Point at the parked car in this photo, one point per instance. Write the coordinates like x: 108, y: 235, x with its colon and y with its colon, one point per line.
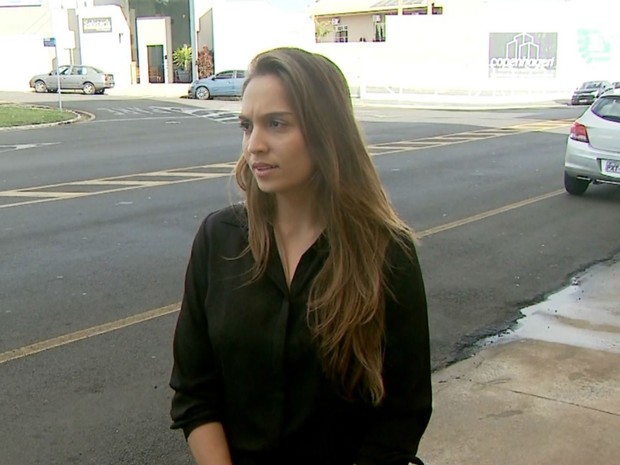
x: 223, y: 84
x: 88, y: 79
x: 589, y: 91
x: 593, y: 146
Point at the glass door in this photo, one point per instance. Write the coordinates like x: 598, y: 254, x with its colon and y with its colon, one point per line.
x: 156, y: 63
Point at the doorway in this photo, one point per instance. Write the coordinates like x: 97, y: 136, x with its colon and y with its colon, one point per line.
x: 156, y: 63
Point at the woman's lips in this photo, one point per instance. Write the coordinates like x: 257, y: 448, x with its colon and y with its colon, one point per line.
x: 262, y: 169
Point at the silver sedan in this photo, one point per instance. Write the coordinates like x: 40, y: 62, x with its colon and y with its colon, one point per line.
x: 88, y: 79
x: 593, y: 146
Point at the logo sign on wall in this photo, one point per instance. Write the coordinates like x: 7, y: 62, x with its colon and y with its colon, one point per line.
x: 523, y: 54
x: 96, y: 25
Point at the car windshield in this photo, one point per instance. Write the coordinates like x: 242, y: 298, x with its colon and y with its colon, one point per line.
x: 590, y: 85
x: 608, y: 108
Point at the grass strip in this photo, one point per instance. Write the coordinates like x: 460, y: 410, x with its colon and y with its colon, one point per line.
x: 12, y: 115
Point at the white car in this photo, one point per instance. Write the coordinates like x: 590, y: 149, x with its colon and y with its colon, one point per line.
x: 593, y: 146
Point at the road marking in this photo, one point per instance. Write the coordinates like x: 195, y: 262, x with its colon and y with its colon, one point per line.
x: 388, y: 148
x: 86, y: 333
x: 15, y: 147
x: 162, y: 311
x: 70, y: 190
x: 488, y: 214
x: 129, y: 113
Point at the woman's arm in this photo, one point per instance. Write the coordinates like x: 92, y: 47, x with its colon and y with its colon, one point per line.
x: 208, y: 445
x: 195, y: 377
x: 404, y: 414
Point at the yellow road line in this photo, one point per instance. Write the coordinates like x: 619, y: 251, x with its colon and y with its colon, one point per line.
x: 158, y: 312
x: 86, y: 333
x: 51, y: 196
x: 487, y: 214
x: 63, y: 191
x: 387, y: 148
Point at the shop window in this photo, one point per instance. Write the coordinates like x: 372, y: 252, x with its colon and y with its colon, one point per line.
x: 342, y: 34
x: 380, y: 31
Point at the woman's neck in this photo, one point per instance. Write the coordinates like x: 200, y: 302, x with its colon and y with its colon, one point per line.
x: 297, y: 214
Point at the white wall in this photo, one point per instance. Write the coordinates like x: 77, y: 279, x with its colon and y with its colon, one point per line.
x: 23, y: 29
x: 109, y: 51
x: 243, y: 29
x: 22, y: 53
x: 441, y: 53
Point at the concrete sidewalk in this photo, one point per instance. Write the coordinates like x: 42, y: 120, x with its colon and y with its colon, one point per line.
x: 178, y: 92
x: 547, y: 393
x: 410, y: 100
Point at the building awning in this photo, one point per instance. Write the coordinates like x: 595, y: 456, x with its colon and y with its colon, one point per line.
x: 335, y: 7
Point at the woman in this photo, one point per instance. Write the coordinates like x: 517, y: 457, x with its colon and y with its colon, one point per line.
x: 303, y: 333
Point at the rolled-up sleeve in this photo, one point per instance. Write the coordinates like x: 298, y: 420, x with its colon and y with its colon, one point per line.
x: 403, y: 416
x: 195, y: 378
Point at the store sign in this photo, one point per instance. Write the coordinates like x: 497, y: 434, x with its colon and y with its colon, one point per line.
x: 49, y: 42
x: 523, y: 53
x: 20, y: 3
x: 96, y: 25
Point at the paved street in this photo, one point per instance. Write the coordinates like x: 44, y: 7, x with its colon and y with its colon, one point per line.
x: 96, y: 221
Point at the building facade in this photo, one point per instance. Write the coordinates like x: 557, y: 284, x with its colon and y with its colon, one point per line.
x: 136, y: 39
x: 396, y: 48
x: 391, y: 48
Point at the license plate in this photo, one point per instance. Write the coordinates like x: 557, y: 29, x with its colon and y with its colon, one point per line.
x: 611, y: 167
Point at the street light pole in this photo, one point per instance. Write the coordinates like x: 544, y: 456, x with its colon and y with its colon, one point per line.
x: 192, y: 39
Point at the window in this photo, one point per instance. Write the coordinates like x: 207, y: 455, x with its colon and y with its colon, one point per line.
x: 240, y: 74
x: 224, y: 75
x: 607, y: 108
x: 380, y: 30
x: 342, y: 34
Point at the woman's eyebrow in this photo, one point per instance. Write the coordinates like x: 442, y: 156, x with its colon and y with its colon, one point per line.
x: 273, y: 114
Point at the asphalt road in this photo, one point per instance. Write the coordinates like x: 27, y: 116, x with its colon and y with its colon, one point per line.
x: 96, y: 221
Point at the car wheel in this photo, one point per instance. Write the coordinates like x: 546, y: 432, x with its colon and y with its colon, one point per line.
x: 40, y: 87
x: 88, y: 88
x: 575, y: 186
x: 203, y: 93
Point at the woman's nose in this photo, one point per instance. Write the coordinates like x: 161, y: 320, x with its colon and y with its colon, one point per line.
x: 256, y: 141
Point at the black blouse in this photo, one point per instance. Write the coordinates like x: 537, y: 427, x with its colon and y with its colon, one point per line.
x: 244, y: 356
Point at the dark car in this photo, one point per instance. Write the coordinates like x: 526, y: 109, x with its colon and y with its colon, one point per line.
x: 223, y: 84
x: 88, y: 79
x: 589, y: 91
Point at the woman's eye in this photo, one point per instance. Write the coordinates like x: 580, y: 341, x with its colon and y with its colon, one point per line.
x: 276, y: 124
x: 244, y: 125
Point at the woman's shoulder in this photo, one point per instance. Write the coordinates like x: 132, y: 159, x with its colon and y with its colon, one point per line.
x: 226, y: 221
x: 233, y: 215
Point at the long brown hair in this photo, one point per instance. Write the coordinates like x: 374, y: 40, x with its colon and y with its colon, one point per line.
x: 346, y: 309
